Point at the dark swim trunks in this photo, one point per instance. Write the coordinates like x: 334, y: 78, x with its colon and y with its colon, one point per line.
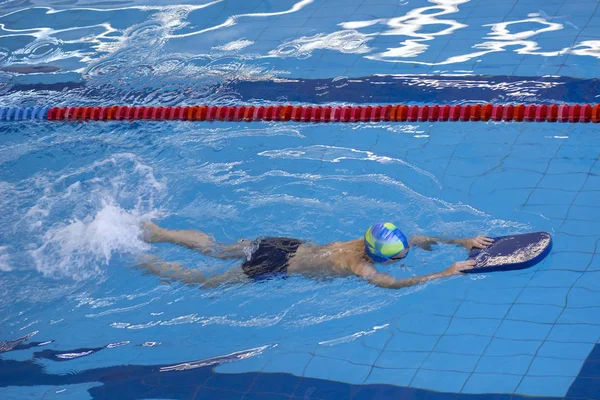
x: 270, y: 257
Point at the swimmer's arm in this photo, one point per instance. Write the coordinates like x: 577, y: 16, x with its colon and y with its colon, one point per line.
x: 425, y: 242
x: 194, y: 240
x: 369, y: 273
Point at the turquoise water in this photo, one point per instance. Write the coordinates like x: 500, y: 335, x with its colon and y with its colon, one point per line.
x: 73, y: 196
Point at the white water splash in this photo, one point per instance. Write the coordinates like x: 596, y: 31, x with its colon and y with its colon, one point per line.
x: 238, y: 355
x: 68, y: 248
x: 336, y: 154
x: 347, y: 41
x: 352, y: 337
x: 4, y: 259
x: 236, y: 45
x: 83, y: 219
x: 70, y: 356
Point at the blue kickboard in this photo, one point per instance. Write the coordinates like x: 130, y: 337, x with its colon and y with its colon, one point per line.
x: 513, y: 252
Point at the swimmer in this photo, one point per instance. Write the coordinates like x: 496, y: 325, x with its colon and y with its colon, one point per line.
x: 268, y: 257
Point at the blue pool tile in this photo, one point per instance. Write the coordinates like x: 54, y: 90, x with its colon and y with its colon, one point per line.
x: 279, y: 32
x: 498, y: 9
x: 466, y: 344
x: 587, y: 199
x: 508, y: 201
x: 422, y: 394
x: 579, y: 315
x: 293, y: 363
x: 580, y: 297
x: 545, y: 366
x: 275, y: 383
x: 595, y: 354
x: 586, y: 388
x: 246, y: 365
x: 544, y: 386
x: 377, y: 340
x: 564, y: 166
x: 549, y: 296
x: 583, y: 333
x: 220, y: 393
x: 514, y: 365
x: 506, y: 180
x: 377, y: 392
x: 595, y: 264
x: 475, y: 310
x: 404, y: 359
x: 593, y: 181
x: 490, y: 383
x: 590, y: 369
x: 551, y: 196
x: 463, y: 326
x: 265, y: 396
x: 309, y: 388
x: 337, y: 370
x: 523, y: 330
x: 580, y: 71
x: 590, y: 280
x: 402, y: 341
x: 391, y: 376
x: 450, y: 362
x: 584, y: 213
x: 512, y: 347
x: 420, y: 304
x: 565, y: 242
x: 380, y: 10
x: 580, y: 9
x: 528, y: 164
x: 487, y: 295
x: 351, y: 352
x: 568, y: 261
x: 550, y: 279
x: 547, y: 210
x: 533, y: 70
x: 443, y: 381
x: 534, y: 313
x: 579, y: 152
x: 417, y: 323
x: 542, y: 153
x: 579, y: 228
x: 471, y: 166
x: 237, y: 382
x: 484, y: 150
x: 579, y: 351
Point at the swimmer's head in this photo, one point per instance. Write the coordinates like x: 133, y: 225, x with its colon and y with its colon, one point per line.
x: 384, y: 242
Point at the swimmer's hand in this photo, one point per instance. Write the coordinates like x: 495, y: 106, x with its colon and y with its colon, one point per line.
x: 478, y: 242
x: 458, y: 267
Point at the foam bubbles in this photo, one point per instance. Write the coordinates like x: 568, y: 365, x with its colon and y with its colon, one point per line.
x: 79, y: 248
x: 347, y: 41
x: 74, y: 221
x: 4, y: 259
x: 236, y: 45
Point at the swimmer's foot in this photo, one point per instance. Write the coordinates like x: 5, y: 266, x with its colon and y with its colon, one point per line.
x: 151, y: 233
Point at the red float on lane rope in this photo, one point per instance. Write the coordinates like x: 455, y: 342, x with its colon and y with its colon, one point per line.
x: 322, y: 114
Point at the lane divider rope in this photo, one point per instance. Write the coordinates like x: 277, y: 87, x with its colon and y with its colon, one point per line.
x: 391, y: 113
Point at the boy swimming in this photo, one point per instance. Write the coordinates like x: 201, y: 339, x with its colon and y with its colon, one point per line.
x: 268, y: 257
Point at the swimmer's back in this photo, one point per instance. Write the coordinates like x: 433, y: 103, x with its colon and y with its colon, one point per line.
x: 338, y: 258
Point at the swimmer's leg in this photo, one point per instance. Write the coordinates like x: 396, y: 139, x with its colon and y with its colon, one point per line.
x: 174, y: 271
x: 171, y: 270
x: 195, y: 240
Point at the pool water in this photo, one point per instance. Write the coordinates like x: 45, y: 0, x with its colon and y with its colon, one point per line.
x: 73, y: 197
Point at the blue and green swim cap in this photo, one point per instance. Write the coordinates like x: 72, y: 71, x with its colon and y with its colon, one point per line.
x: 384, y: 241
